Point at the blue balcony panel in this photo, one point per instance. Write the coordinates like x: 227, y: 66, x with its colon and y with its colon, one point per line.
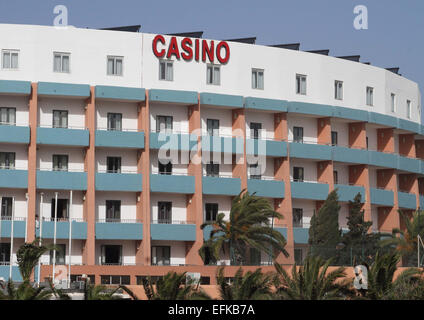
x: 308, y: 190
x: 120, y: 139
x: 265, y: 104
x: 389, y: 121
x: 282, y: 230
x: 15, y: 179
x: 14, y: 134
x: 119, y: 231
x: 18, y: 229
x: 129, y: 182
x: 61, y: 180
x: 172, y: 183
x: 79, y: 230
x: 16, y: 274
x: 421, y: 201
x: 310, y: 151
x: 173, y: 141
x: 349, y: 113
x: 350, y: 155
x: 301, y: 235
x: 382, y: 197
x: 310, y: 108
x: 221, y: 100
x: 120, y: 93
x: 407, y: 200
x: 173, y: 96
x: 222, y: 144
x: 409, y: 126
x: 347, y: 193
x: 221, y: 186
x: 266, y: 188
x: 382, y: 159
x: 13, y: 87
x: 173, y: 232
x: 270, y: 148
x: 409, y: 164
x: 65, y: 137
x: 63, y: 89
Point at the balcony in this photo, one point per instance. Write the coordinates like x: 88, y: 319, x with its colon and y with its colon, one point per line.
x: 61, y: 180
x: 15, y: 179
x: 14, y: 134
x: 301, y: 235
x: 173, y: 141
x: 107, y: 229
x: 16, y: 274
x: 13, y: 87
x: 266, y: 187
x: 120, y: 93
x: 221, y: 185
x: 56, y: 89
x: 19, y: 225
x: 172, y: 183
x: 173, y: 230
x: 407, y: 200
x: 130, y: 182
x: 347, y: 193
x: 383, y: 159
x: 119, y: 139
x: 79, y: 229
x: 421, y: 201
x: 222, y: 144
x: 78, y: 137
x: 266, y: 147
x: 382, y: 197
x: 310, y: 151
x: 309, y: 190
x: 350, y: 155
x: 409, y: 164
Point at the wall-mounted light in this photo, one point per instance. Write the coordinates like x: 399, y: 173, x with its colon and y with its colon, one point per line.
x: 189, y: 201
x: 138, y: 198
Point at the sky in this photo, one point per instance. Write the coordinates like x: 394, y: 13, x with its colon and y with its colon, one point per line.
x: 393, y: 38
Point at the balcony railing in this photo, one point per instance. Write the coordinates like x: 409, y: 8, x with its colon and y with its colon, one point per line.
x: 110, y: 220
x: 51, y: 219
x: 9, y: 218
x: 168, y: 221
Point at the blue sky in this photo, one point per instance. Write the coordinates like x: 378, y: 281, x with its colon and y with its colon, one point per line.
x: 393, y: 38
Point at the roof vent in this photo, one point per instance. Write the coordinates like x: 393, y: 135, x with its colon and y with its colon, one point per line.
x: 323, y: 52
x: 291, y: 46
x: 127, y: 28
x: 394, y: 70
x: 251, y: 40
x: 351, y: 58
x: 195, y: 34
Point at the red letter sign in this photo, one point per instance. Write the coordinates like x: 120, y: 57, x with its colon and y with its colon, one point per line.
x: 173, y: 49
x: 155, y: 43
x: 186, y: 44
x: 227, y: 52
x: 207, y: 50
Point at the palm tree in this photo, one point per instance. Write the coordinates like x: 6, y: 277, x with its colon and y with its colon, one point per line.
x: 313, y: 281
x: 248, y: 226
x: 24, y: 292
x: 173, y: 286
x: 100, y: 292
x: 381, y: 274
x: 405, y: 242
x: 250, y: 286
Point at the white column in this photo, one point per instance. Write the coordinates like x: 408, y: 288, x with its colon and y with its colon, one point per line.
x: 70, y: 239
x: 11, y: 238
x: 41, y: 235
x: 54, y: 235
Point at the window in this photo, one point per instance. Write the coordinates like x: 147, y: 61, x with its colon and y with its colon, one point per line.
x: 164, y: 212
x: 298, y: 256
x: 297, y: 217
x: 255, y: 171
x: 211, y: 211
x: 255, y: 130
x: 161, y: 255
x: 115, y: 280
x: 334, y: 138
x: 8, y: 116
x: 113, y: 210
x: 62, y: 208
x: 298, y: 174
x: 336, y: 177
x: 213, y: 74
x: 114, y: 65
x: 370, y: 96
x: 366, y: 139
x: 114, y: 121
x: 6, y: 208
x: 257, y: 79
x: 111, y: 255
x: 60, y: 254
x: 212, y: 169
x: 255, y: 257
x: 165, y: 168
x: 10, y: 59
x: 393, y: 102
x: 338, y: 90
x: 7, y: 160
x: 60, y: 162
x: 60, y: 119
x: 212, y: 126
x: 61, y: 62
x: 408, y: 109
x: 298, y: 134
x: 166, y: 70
x: 4, y: 253
x: 300, y: 84
x: 163, y: 123
x: 113, y: 164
